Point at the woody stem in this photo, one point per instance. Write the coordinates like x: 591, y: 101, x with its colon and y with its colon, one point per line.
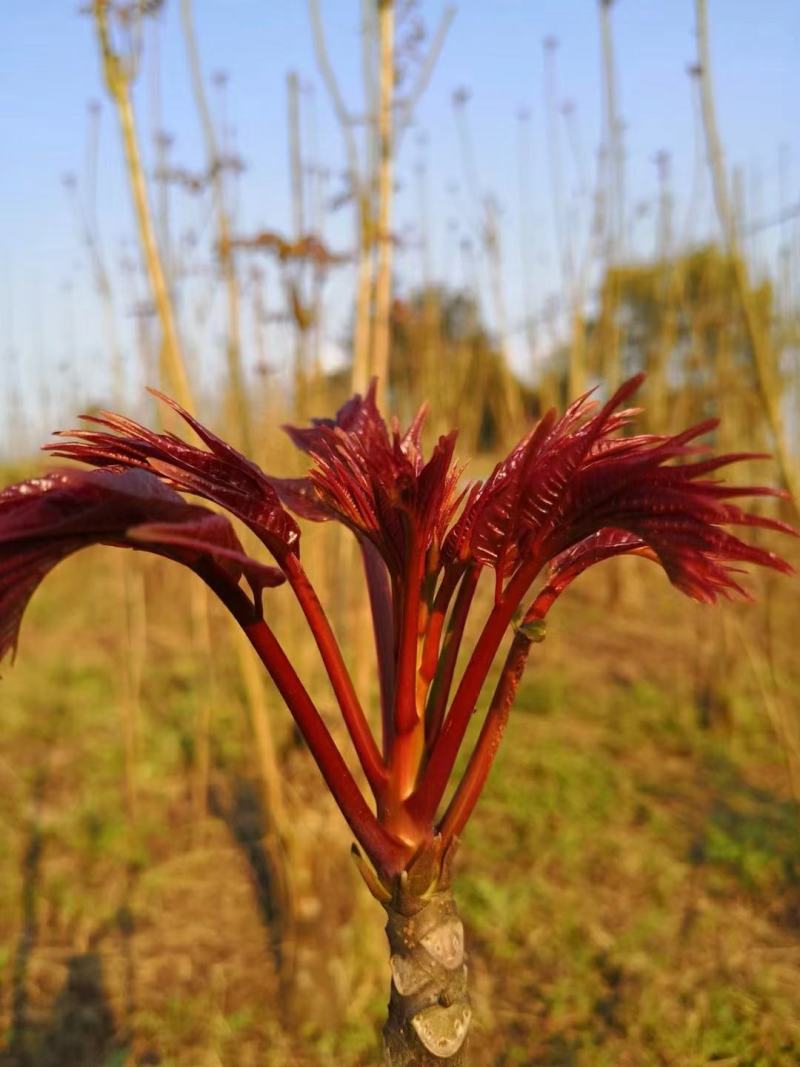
x: 429, y: 1008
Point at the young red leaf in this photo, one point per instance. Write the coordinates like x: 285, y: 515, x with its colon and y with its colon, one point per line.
x: 571, y: 494
x: 568, y: 565
x: 374, y: 480
x: 679, y: 515
x: 572, y: 480
x: 44, y: 520
x: 219, y: 473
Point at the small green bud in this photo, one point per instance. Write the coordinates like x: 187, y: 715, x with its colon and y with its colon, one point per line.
x: 534, y: 629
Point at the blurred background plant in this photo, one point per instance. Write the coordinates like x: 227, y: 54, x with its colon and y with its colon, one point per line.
x: 162, y: 888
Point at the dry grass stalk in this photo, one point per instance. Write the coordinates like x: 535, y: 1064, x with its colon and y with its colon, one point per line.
x: 764, y: 356
x: 785, y: 724
x: 241, y: 411
x: 383, y: 274
x: 362, y: 201
x: 118, y: 76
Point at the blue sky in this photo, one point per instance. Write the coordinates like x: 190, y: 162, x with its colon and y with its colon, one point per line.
x: 49, y: 70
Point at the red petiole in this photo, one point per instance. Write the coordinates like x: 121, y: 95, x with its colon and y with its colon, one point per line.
x: 385, y: 850
x: 574, y: 492
x: 352, y: 712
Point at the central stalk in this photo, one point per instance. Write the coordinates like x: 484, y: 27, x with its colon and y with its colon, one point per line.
x: 429, y: 1008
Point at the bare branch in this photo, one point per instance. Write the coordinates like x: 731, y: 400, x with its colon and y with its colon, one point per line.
x: 337, y: 100
x: 426, y: 70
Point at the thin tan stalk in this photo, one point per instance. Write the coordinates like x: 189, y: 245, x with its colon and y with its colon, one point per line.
x: 173, y: 371
x: 785, y: 724
x: 431, y: 380
x: 364, y: 283
x: 298, y: 227
x: 757, y: 330
x: 214, y: 160
x: 207, y: 700
x: 131, y: 590
x: 269, y: 771
x: 162, y: 143
x: 670, y: 279
x: 615, y: 213
x: 383, y: 275
x: 486, y: 207
x: 276, y: 841
x: 554, y: 157
x: 132, y: 595
x: 409, y: 103
x: 86, y: 210
x: 576, y: 373
x: 576, y: 381
x: 511, y: 393
x: 316, y: 196
x: 616, y: 206
x: 331, y: 84
x: 370, y: 76
x: 118, y: 81
x: 361, y: 198
x: 371, y: 187
x: 524, y: 154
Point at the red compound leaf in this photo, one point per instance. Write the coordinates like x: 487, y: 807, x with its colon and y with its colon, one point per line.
x: 44, y: 520
x: 375, y: 480
x: 218, y: 473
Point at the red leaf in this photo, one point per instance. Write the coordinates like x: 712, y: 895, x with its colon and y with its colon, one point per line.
x: 374, y: 480
x: 574, y: 492
x: 221, y: 474
x: 44, y: 520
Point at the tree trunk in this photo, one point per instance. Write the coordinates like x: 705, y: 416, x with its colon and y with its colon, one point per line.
x: 429, y: 1008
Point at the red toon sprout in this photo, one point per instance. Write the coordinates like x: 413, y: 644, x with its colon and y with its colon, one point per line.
x: 575, y: 491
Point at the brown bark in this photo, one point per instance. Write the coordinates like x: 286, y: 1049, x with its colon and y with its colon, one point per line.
x: 429, y: 1008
